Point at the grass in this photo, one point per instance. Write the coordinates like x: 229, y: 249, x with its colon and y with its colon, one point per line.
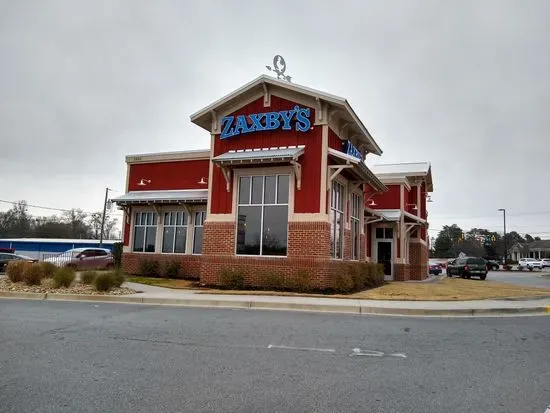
x: 447, y: 289
x: 164, y: 282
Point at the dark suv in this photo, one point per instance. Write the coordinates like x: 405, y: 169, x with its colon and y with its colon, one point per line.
x: 467, y: 267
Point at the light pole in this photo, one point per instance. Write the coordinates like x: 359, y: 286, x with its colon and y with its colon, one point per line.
x: 505, y: 246
x: 103, y: 216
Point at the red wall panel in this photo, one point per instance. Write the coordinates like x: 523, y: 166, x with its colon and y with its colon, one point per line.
x: 306, y: 199
x: 334, y: 141
x: 169, y: 175
x: 126, y: 231
x: 388, y: 200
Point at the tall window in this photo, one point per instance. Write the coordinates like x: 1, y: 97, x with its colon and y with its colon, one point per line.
x: 262, y: 225
x: 337, y: 220
x: 174, y: 232
x: 355, y: 226
x: 145, y: 231
x: 200, y: 216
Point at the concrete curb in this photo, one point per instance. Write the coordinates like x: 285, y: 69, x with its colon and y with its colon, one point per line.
x: 285, y: 306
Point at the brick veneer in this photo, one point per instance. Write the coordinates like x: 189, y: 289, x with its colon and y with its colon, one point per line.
x: 401, y: 272
x: 308, y: 250
x: 190, y: 264
x: 418, y: 258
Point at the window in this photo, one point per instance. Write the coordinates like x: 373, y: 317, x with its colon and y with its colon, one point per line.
x: 262, y: 224
x: 384, y: 233
x: 355, y: 226
x: 337, y: 220
x: 200, y: 216
x: 145, y: 231
x: 174, y: 233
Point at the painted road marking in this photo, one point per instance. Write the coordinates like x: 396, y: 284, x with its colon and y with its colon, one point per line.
x: 548, y: 311
x: 324, y: 350
x: 547, y: 410
x: 374, y: 353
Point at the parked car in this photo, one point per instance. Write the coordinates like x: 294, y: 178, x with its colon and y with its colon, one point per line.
x: 6, y: 258
x: 545, y: 262
x: 493, y: 265
x: 530, y: 264
x: 8, y: 250
x: 84, y: 258
x: 435, y: 269
x: 467, y: 267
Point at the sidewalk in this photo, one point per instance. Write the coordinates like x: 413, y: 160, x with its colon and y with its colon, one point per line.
x: 159, y: 295
x: 188, y: 298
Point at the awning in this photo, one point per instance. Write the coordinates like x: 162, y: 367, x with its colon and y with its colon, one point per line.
x: 394, y: 215
x: 232, y: 159
x: 163, y: 197
x: 256, y: 156
x: 356, y: 167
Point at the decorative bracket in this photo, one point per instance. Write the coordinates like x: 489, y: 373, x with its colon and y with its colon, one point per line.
x: 337, y: 169
x: 227, y: 175
x: 298, y: 172
x: 215, y: 124
x: 267, y: 96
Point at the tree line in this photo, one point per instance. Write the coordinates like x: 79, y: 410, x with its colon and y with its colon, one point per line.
x: 74, y: 223
x: 478, y: 242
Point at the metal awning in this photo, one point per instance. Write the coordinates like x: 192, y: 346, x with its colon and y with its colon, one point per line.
x: 355, y: 166
x: 184, y: 196
x: 233, y: 159
x: 255, y: 156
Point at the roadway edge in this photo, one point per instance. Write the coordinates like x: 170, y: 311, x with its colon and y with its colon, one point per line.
x: 279, y: 305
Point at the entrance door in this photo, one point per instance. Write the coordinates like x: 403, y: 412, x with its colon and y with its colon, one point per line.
x: 384, y: 256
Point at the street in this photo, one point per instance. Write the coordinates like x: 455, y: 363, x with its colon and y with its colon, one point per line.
x: 96, y: 357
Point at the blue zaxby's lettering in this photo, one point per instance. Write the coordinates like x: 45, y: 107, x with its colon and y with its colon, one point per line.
x: 232, y: 126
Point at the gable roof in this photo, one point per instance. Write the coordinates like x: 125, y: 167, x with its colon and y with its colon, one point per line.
x: 405, y: 170
x: 203, y: 117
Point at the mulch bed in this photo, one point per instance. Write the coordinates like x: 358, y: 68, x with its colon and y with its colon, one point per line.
x: 47, y: 287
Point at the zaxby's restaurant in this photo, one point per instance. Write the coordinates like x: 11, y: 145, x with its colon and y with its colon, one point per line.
x: 283, y: 187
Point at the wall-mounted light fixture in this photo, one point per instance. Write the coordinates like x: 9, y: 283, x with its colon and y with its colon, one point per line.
x: 144, y: 182
x: 202, y: 181
x: 414, y: 208
x: 371, y: 203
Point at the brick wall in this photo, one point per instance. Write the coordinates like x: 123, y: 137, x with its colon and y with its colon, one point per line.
x: 401, y: 272
x: 347, y: 244
x: 190, y: 264
x: 309, y: 239
x: 418, y: 258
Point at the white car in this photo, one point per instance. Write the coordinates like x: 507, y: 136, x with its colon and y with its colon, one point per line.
x: 546, y: 262
x: 530, y: 264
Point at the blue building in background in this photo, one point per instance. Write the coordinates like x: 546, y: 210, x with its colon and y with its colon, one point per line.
x: 41, y: 248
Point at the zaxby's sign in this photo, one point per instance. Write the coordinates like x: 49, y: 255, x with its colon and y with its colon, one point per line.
x: 286, y: 119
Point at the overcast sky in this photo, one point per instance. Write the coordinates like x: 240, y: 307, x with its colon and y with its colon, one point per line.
x: 462, y: 84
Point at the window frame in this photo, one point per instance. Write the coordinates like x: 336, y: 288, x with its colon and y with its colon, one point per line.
x: 333, y: 214
x: 195, y: 226
x: 175, y: 226
x: 145, y: 226
x: 355, y: 225
x: 263, y: 173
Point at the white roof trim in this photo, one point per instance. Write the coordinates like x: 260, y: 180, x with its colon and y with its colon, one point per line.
x: 168, y: 156
x: 335, y: 100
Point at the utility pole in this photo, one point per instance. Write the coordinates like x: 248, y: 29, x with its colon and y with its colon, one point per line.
x: 103, y: 217
x: 505, y: 246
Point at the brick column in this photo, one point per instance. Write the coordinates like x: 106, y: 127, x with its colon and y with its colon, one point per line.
x: 418, y: 258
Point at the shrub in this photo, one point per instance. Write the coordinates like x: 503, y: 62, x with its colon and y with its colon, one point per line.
x: 343, y: 283
x: 32, y: 274
x: 15, y: 269
x: 172, y: 269
x: 301, y: 281
x: 119, y: 278
x: 231, y: 278
x: 105, y: 281
x: 48, y: 269
x: 272, y: 279
x: 149, y: 268
x: 88, y: 277
x: 63, y: 277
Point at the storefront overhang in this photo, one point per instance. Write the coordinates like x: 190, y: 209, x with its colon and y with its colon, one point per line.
x: 184, y: 196
x: 265, y: 156
x: 393, y: 215
x: 355, y: 167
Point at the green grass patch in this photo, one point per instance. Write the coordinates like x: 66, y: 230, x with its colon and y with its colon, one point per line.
x: 166, y: 283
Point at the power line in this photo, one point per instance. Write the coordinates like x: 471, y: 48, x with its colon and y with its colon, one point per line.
x: 516, y: 214
x: 52, y: 208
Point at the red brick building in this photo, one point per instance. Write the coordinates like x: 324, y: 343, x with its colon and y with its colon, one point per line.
x: 283, y: 187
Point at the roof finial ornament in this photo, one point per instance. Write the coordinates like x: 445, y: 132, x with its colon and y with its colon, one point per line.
x: 279, y: 67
